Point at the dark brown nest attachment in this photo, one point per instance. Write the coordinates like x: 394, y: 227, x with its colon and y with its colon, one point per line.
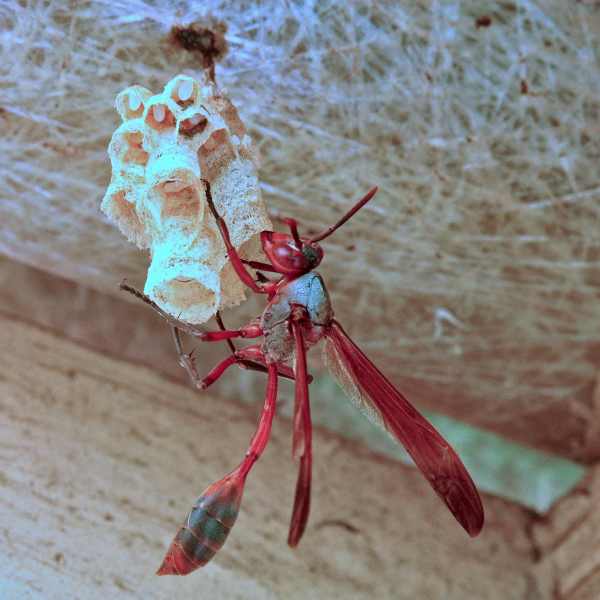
x: 205, y: 39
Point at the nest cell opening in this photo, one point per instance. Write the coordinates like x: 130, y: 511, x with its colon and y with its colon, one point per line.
x: 195, y: 125
x: 159, y: 117
x: 184, y: 91
x: 134, y: 107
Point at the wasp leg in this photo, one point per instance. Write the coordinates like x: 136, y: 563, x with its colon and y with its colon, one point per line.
x: 186, y: 360
x: 234, y: 257
x: 187, y: 327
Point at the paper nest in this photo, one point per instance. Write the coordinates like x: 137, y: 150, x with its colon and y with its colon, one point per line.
x: 165, y: 146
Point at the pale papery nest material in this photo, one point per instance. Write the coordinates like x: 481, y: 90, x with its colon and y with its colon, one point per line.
x: 168, y: 148
x: 472, y: 278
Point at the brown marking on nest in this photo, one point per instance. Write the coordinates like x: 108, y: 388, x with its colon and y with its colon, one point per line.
x: 215, y: 154
x: 135, y: 152
x: 121, y: 211
x: 206, y: 40
x: 188, y: 129
x: 483, y: 21
x: 230, y: 114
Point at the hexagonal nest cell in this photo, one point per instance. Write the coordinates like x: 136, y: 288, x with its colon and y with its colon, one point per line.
x: 166, y: 146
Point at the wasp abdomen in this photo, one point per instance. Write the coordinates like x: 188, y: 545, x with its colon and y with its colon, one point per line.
x: 206, y: 528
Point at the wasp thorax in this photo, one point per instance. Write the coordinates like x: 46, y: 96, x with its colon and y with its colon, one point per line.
x: 313, y: 253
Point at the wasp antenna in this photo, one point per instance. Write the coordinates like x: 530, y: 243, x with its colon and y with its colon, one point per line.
x: 347, y: 216
x: 293, y: 225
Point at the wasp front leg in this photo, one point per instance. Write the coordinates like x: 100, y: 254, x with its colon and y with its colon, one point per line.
x: 236, y: 260
x: 250, y: 357
x: 186, y: 359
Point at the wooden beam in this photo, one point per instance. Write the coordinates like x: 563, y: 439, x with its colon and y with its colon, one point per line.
x: 101, y: 459
x: 568, y: 542
x: 131, y: 331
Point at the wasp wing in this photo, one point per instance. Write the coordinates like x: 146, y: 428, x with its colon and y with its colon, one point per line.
x: 302, y: 443
x: 381, y: 402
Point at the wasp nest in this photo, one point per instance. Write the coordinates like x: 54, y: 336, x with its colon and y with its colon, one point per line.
x: 166, y: 145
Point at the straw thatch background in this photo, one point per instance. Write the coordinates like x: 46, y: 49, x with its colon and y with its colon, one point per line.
x: 473, y: 278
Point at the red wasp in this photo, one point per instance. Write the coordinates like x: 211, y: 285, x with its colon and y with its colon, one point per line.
x: 297, y: 316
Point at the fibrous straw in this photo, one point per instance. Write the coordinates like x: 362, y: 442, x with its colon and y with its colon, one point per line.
x: 474, y: 272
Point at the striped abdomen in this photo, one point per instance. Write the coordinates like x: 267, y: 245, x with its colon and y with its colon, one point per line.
x: 206, y: 527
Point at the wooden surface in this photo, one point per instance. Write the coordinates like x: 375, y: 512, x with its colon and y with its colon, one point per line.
x: 107, y: 323
x: 568, y: 540
x: 100, y: 459
x: 132, y: 331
